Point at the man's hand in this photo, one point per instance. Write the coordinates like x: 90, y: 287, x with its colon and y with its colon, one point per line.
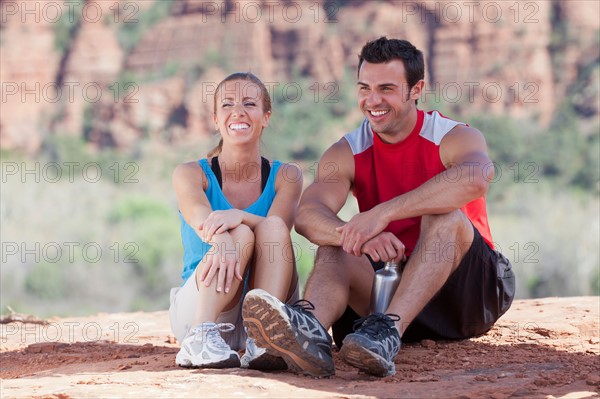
x: 222, y: 261
x: 219, y: 222
x: 384, y: 247
x: 360, y: 229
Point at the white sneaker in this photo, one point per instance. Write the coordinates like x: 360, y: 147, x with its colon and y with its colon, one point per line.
x: 258, y: 359
x: 204, y: 347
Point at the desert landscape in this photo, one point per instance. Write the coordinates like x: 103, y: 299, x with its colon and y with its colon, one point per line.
x: 543, y: 348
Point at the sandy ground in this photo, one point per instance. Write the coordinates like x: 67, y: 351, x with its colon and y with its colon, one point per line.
x: 541, y: 348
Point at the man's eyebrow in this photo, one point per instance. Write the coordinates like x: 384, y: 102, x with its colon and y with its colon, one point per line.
x: 379, y: 85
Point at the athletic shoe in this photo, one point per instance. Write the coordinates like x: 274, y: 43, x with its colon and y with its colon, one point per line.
x: 289, y: 331
x: 204, y: 347
x: 258, y: 359
x: 374, y: 345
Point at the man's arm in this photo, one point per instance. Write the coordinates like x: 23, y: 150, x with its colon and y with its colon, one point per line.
x: 317, y: 213
x: 469, y: 171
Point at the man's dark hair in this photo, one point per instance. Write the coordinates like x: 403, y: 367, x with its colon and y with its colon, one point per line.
x: 385, y: 50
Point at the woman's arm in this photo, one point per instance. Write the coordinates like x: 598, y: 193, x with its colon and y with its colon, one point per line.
x: 189, y: 182
x: 288, y: 186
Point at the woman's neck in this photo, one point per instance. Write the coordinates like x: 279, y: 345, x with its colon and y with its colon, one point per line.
x: 239, y: 164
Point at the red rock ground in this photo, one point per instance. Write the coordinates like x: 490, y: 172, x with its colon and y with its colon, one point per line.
x: 541, y: 348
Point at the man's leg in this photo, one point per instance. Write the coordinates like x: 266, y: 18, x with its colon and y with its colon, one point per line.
x: 293, y: 332
x: 338, y: 279
x: 443, y: 242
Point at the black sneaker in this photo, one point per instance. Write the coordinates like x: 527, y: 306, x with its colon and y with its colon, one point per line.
x: 289, y: 331
x: 373, y: 345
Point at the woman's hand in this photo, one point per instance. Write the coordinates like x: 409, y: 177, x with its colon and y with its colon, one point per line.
x: 219, y: 222
x: 221, y: 261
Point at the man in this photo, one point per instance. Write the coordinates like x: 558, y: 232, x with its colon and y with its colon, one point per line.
x: 420, y: 180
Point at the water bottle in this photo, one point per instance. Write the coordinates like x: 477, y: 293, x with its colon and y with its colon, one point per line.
x: 384, y: 287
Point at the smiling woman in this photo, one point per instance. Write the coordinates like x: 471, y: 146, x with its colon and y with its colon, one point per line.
x: 237, y: 209
x: 255, y: 98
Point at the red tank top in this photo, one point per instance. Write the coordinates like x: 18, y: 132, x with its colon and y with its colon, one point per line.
x: 383, y: 171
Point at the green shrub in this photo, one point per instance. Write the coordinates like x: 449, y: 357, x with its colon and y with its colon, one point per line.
x: 45, y: 281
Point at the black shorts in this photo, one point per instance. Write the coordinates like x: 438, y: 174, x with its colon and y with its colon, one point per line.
x: 479, y: 291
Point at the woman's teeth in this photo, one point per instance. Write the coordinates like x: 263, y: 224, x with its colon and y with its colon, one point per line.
x: 238, y: 126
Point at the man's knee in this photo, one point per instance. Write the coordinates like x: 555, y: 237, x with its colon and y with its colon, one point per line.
x: 448, y: 235
x: 448, y: 224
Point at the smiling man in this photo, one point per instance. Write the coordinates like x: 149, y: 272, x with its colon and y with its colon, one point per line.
x: 420, y: 181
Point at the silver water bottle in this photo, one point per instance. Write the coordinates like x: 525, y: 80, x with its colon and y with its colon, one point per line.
x: 385, y: 282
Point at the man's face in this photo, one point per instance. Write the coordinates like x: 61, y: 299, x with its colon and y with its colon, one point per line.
x: 384, y: 97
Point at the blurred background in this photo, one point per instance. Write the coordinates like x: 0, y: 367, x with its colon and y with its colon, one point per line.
x: 101, y: 99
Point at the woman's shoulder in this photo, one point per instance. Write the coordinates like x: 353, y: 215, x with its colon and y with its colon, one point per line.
x: 189, y: 171
x: 288, y: 173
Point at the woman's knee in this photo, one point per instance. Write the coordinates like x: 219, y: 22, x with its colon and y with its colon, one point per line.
x: 243, y: 234
x: 271, y: 226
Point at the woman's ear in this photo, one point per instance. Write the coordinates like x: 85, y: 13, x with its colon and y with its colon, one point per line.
x: 216, y: 121
x: 266, y: 119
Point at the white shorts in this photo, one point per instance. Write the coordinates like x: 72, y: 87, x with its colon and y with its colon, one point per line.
x: 184, y: 306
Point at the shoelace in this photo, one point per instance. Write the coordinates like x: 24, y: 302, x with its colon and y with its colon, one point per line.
x: 373, y: 323
x: 303, y: 305
x: 213, y: 335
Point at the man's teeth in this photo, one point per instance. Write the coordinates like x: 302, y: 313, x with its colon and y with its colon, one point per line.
x: 238, y: 126
x: 378, y: 113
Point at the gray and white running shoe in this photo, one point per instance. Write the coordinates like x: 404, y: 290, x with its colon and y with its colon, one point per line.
x: 373, y: 345
x: 289, y: 331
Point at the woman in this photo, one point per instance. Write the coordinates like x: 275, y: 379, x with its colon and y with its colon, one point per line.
x: 237, y: 210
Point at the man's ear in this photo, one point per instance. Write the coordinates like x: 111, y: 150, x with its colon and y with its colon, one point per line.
x: 417, y: 90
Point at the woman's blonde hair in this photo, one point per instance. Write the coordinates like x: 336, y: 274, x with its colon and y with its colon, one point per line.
x: 248, y: 77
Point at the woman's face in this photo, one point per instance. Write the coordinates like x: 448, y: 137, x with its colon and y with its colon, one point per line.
x: 240, y: 115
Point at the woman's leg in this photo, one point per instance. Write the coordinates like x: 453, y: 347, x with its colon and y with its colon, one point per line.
x: 212, y: 303
x: 275, y: 266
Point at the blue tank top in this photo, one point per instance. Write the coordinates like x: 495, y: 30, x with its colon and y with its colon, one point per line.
x: 193, y: 247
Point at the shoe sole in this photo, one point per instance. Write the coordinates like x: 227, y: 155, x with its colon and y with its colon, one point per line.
x: 232, y: 362
x: 360, y: 357
x: 272, y: 330
x: 268, y: 362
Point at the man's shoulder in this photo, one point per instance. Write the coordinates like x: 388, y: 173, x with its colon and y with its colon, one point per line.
x: 436, y: 125
x: 361, y: 138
